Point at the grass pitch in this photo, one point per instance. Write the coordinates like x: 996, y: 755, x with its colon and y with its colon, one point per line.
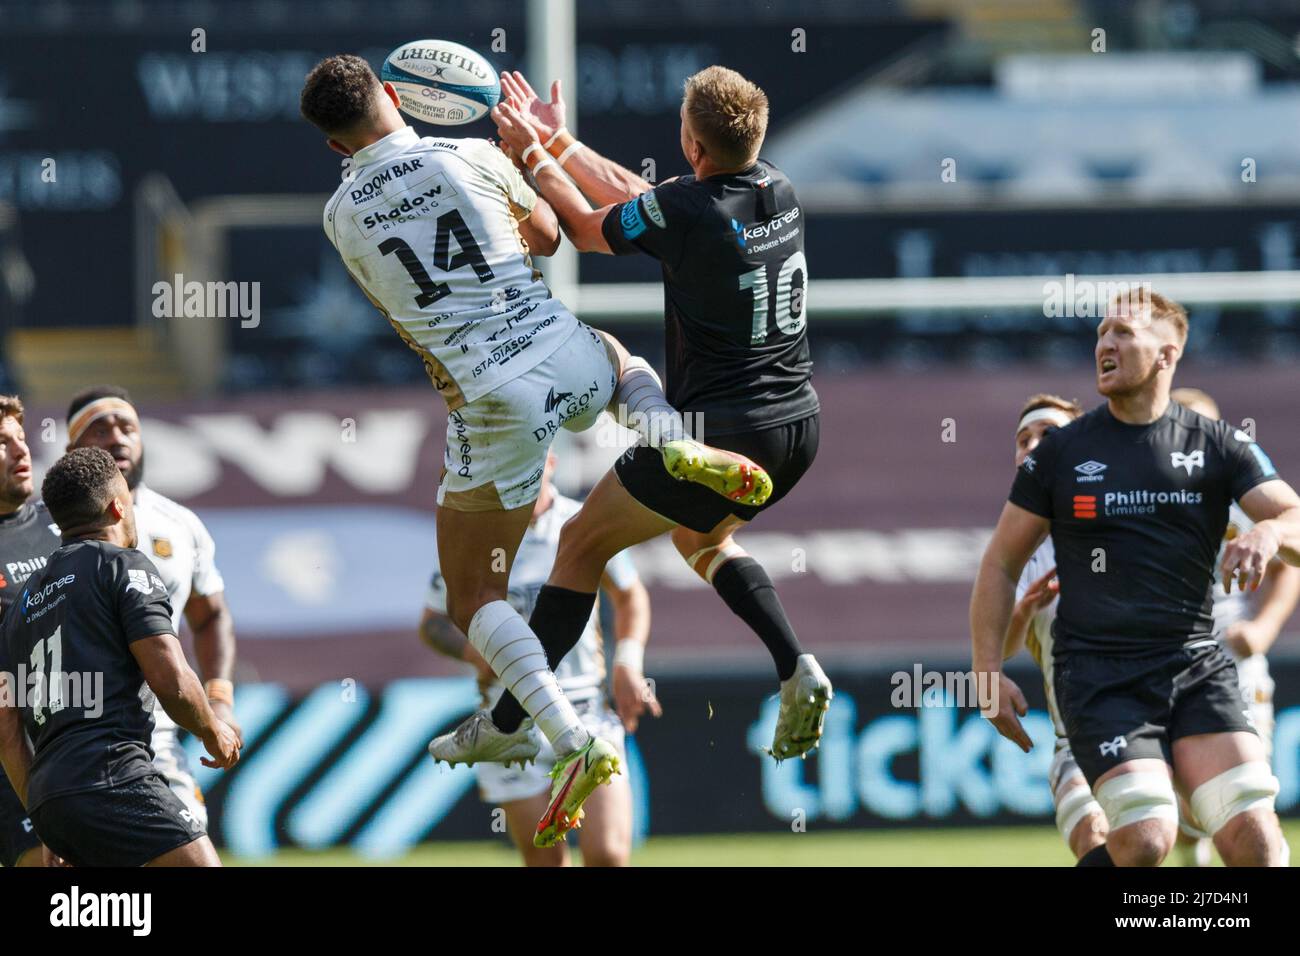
x: 983, y: 846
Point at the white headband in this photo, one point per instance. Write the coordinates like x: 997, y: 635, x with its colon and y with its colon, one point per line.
x: 85, y: 417
x: 1058, y: 417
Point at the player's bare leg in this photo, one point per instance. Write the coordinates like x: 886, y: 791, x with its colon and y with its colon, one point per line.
x: 639, y: 404
x: 1138, y: 797
x: 741, y: 581
x: 476, y: 550
x: 521, y: 817
x: 606, y: 835
x: 198, y: 852
x: 1232, y: 790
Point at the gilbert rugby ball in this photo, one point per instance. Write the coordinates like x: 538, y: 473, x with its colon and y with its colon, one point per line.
x: 442, y: 82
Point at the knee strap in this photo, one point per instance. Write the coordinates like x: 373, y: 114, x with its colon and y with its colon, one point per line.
x: 1133, y: 797
x: 1248, y: 786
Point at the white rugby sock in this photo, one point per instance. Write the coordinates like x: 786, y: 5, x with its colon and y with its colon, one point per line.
x: 640, y: 405
x: 515, y: 654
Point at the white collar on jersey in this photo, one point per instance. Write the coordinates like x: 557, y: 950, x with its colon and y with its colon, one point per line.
x: 391, y: 145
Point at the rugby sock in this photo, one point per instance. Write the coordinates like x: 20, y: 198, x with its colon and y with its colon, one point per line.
x: 641, y: 405
x: 748, y: 591
x: 559, y: 617
x: 517, y: 657
x: 1097, y: 856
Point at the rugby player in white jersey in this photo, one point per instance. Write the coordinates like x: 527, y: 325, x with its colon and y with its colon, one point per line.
x: 522, y: 792
x: 438, y: 233
x: 184, y: 553
x: 1079, y: 817
x: 1247, y: 625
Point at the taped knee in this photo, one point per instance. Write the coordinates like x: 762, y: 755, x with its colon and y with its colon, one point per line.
x: 636, y: 363
x: 1073, y: 807
x: 1248, y: 786
x: 718, y: 556
x: 1133, y: 797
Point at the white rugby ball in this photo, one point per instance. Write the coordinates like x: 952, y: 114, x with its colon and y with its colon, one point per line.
x: 442, y: 82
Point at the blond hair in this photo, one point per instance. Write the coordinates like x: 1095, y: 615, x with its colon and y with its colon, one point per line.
x: 727, y: 113
x: 1159, y: 308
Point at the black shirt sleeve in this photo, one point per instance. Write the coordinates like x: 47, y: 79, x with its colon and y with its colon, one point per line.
x: 1032, y: 489
x: 656, y: 222
x: 1248, y: 465
x: 139, y: 595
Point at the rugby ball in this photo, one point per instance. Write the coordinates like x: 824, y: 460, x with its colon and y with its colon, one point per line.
x: 442, y: 82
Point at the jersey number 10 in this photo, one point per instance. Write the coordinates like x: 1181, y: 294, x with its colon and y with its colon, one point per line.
x: 788, y: 308
x: 449, y: 224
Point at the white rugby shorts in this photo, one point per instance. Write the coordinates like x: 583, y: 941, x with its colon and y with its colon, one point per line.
x: 497, y: 444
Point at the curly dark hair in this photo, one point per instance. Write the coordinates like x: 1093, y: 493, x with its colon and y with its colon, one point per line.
x: 339, y: 94
x: 78, y: 486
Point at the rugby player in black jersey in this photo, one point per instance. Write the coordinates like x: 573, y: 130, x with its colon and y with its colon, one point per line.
x: 90, y: 643
x: 27, y: 536
x: 1135, y: 495
x: 729, y: 237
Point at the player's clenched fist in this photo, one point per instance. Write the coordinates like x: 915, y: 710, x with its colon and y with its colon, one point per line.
x: 1003, y: 704
x: 1246, y: 557
x: 222, y: 743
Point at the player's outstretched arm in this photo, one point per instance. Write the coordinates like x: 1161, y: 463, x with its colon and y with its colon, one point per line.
x: 178, y: 689
x: 633, y: 696
x: 15, y: 749
x: 1275, y: 508
x: 603, y: 181
x: 213, y: 628
x: 1014, y: 539
x: 580, y: 222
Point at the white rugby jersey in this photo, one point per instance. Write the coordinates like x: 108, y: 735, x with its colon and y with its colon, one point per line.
x: 427, y: 227
x: 183, y: 552
x: 1038, y: 639
x: 1228, y: 609
x: 582, y: 671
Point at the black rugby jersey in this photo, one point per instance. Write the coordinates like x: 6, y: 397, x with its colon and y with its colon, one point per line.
x: 27, y: 538
x: 735, y: 294
x: 1138, y: 513
x: 77, y: 617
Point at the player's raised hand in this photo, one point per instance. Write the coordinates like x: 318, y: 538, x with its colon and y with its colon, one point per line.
x: 1041, y: 593
x: 514, y: 131
x: 1246, y: 558
x: 1005, y: 708
x: 633, y: 696
x: 546, y: 118
x: 223, y: 745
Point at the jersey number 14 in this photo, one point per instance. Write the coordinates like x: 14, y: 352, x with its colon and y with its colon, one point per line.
x: 788, y: 308
x: 450, y: 224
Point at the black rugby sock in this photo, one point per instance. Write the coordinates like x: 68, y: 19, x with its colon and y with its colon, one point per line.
x: 749, y: 592
x: 559, y: 617
x: 1097, y: 856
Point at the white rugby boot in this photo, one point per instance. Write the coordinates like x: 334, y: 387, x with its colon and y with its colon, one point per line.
x: 477, y: 740
x: 805, y: 698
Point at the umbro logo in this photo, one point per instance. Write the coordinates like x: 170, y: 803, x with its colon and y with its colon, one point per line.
x: 1111, y: 748
x: 1189, y: 461
x: 1090, y: 471
x: 553, y: 400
